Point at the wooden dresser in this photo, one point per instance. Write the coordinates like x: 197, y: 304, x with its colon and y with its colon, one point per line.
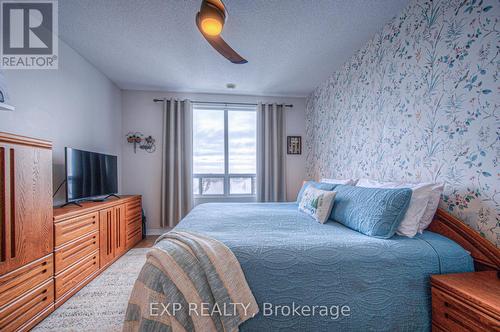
x: 26, y: 232
x: 466, y: 302
x: 88, y: 239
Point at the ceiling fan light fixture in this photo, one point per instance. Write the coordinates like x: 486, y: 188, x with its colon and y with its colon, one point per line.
x: 211, y: 26
x: 211, y: 19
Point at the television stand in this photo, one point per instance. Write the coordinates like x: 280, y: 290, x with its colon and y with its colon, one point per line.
x: 69, y: 203
x: 107, y: 230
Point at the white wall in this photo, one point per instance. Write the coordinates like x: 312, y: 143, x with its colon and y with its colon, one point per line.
x: 74, y: 106
x: 142, y: 171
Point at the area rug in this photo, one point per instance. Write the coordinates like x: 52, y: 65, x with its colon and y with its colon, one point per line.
x: 101, y: 305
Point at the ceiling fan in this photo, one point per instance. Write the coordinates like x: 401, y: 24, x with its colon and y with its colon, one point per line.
x: 210, y: 21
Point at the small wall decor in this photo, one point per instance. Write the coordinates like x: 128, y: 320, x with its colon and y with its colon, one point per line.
x: 145, y: 143
x: 148, y: 144
x: 294, y: 144
x: 134, y: 138
x: 4, y: 96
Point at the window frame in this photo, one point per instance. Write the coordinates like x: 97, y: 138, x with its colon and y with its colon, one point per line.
x: 226, y: 175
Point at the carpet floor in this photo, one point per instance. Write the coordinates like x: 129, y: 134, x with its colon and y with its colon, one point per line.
x: 101, y: 305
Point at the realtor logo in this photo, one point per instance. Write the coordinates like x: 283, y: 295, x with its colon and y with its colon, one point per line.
x: 29, y: 34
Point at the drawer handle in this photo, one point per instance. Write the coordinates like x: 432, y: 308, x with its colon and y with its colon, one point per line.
x: 450, y: 317
x: 44, y: 271
x: 452, y: 311
x: 44, y: 299
x: 457, y: 321
x: 12, y: 205
x: 3, y: 216
x: 44, y: 291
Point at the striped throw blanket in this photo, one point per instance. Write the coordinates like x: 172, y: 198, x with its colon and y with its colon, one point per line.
x: 189, y: 283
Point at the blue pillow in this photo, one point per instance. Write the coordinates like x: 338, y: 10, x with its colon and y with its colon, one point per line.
x: 375, y: 212
x: 317, y: 185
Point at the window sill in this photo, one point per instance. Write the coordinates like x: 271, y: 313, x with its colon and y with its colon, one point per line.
x: 225, y: 199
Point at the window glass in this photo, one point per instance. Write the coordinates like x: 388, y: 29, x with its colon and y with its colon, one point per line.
x: 208, y: 141
x: 242, y: 135
x: 212, y: 186
x: 196, y: 186
x: 224, y: 150
x: 240, y: 186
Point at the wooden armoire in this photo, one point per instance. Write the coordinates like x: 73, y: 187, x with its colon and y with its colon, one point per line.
x: 26, y: 232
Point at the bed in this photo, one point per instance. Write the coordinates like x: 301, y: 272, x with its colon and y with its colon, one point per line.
x: 289, y: 259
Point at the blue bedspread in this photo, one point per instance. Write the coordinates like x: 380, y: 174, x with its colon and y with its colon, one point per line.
x: 287, y: 258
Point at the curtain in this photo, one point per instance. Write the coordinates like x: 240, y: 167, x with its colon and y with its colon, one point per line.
x: 177, y: 164
x: 271, y: 168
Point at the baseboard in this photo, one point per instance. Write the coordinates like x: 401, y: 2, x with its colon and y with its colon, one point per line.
x: 157, y: 231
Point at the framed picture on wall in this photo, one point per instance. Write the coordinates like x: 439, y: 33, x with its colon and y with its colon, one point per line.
x: 294, y: 145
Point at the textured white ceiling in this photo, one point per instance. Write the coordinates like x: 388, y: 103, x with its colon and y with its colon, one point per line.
x: 291, y: 45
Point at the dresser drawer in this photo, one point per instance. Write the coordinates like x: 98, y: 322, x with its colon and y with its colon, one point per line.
x: 35, y: 303
x: 450, y: 314
x: 77, y: 273
x: 75, y: 250
x: 18, y: 282
x: 71, y: 229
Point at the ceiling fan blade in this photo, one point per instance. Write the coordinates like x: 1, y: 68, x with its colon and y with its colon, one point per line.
x: 221, y: 46
x: 219, y: 4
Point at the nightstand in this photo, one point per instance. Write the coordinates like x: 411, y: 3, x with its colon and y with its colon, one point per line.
x: 466, y: 302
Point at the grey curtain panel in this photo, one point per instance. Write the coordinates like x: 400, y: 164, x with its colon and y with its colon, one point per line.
x: 177, y: 164
x: 271, y: 167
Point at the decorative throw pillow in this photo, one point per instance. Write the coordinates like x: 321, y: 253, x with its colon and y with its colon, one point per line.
x: 350, y: 182
x: 318, y: 185
x: 375, y: 212
x: 421, y: 192
x: 317, y: 203
x: 432, y: 206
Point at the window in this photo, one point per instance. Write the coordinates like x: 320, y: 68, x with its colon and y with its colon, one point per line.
x: 224, y: 150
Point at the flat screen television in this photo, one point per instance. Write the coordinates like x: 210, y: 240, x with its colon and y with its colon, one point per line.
x: 90, y: 175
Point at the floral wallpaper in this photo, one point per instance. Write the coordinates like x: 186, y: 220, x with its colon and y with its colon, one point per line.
x: 419, y: 102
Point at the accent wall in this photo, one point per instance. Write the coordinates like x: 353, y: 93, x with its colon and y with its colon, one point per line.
x: 419, y: 102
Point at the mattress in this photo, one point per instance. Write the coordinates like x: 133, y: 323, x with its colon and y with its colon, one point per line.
x: 291, y: 261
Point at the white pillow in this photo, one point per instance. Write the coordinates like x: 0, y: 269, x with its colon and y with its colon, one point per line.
x: 421, y: 192
x: 432, y: 206
x: 349, y: 182
x: 317, y: 203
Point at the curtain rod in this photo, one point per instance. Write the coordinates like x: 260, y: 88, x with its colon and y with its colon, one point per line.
x: 156, y: 100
